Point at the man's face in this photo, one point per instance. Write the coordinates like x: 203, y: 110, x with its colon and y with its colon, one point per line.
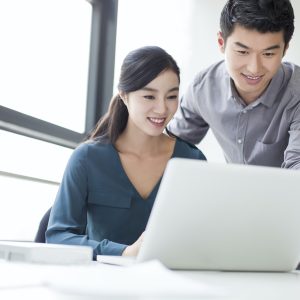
x: 252, y: 59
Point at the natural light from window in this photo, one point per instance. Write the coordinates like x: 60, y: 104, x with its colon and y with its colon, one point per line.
x: 44, y: 59
x: 44, y: 73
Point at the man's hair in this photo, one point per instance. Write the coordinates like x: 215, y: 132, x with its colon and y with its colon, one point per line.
x: 261, y: 15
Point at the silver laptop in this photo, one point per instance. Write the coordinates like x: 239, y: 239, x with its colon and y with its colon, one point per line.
x: 214, y: 216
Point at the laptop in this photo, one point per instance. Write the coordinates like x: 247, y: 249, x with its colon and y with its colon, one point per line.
x: 216, y: 216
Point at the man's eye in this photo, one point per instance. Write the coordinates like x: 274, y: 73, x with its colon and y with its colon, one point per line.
x: 269, y: 54
x: 242, y: 52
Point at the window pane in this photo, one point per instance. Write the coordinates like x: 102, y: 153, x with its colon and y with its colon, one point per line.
x: 44, y: 59
x: 30, y: 157
x: 23, y: 204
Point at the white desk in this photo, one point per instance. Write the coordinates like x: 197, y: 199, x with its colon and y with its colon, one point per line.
x: 23, y: 281
x: 254, y: 286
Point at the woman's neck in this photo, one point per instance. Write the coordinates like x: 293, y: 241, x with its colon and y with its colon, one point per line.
x: 141, y: 144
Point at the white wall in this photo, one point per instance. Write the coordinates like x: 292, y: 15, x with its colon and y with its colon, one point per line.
x: 202, y: 50
x: 293, y: 53
x: 186, y: 29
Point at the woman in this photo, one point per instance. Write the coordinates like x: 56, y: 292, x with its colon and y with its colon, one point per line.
x: 110, y: 183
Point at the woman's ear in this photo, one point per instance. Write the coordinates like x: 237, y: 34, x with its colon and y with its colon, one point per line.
x: 123, y: 96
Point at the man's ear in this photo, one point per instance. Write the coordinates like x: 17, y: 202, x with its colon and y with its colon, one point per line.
x: 221, y: 42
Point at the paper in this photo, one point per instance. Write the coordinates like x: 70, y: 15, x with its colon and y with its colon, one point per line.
x: 149, y: 279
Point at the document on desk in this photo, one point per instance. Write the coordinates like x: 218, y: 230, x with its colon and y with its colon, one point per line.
x: 145, y: 279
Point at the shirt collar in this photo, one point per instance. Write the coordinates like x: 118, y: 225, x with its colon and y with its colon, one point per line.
x: 269, y: 96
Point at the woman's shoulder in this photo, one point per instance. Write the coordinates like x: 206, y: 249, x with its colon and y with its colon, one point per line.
x: 91, y: 148
x: 187, y: 150
x: 92, y: 144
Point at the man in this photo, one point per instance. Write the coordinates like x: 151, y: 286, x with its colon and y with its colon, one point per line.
x: 251, y: 100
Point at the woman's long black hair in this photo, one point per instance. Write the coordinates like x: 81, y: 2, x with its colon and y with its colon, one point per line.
x: 139, y: 68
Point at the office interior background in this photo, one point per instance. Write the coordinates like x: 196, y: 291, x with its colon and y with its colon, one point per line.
x: 60, y: 62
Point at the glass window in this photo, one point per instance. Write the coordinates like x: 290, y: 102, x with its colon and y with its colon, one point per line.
x: 30, y: 157
x: 44, y: 59
x: 23, y: 204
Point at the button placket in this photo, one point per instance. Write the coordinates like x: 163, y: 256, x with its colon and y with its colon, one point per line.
x: 241, y: 132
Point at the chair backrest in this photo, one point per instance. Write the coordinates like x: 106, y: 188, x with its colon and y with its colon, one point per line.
x: 40, y: 235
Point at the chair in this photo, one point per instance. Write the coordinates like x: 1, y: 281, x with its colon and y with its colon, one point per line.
x: 40, y: 235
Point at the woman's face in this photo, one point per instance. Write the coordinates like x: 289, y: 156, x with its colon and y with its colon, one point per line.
x: 152, y: 107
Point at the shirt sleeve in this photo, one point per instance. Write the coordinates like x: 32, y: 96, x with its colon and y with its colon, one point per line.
x: 188, y: 123
x: 68, y: 218
x: 201, y: 156
x: 196, y: 152
x: 292, y: 152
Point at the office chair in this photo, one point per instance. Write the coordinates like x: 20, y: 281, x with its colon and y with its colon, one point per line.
x: 40, y: 235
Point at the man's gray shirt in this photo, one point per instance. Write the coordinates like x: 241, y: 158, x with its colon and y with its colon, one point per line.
x: 265, y: 132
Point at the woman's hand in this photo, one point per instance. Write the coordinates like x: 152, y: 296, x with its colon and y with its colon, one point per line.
x: 134, y: 249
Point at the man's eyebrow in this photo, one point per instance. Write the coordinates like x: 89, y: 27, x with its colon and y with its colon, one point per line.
x: 149, y: 89
x: 241, y: 45
x: 272, y: 47
x: 246, y: 47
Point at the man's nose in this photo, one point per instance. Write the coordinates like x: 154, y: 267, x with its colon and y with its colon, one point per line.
x: 254, y: 65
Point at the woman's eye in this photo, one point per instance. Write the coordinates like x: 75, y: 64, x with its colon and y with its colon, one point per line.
x: 149, y: 97
x: 173, y: 97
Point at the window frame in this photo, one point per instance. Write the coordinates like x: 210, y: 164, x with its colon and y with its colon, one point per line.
x: 99, y: 85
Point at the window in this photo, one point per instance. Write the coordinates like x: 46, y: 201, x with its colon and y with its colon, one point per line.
x: 57, y: 60
x: 44, y: 59
x: 57, y: 66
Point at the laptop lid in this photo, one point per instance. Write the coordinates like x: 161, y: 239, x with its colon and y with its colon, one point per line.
x: 216, y: 216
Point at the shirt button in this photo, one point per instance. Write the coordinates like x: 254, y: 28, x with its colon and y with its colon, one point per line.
x: 240, y: 141
x: 244, y: 111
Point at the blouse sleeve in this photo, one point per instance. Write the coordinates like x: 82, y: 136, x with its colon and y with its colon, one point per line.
x: 68, y: 218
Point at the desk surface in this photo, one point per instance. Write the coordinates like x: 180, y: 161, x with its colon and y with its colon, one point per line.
x: 26, y: 281
x: 254, y: 286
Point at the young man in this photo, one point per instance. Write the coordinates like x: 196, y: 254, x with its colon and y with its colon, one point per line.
x: 251, y: 100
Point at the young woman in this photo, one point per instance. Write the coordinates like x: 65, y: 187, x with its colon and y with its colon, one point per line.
x: 110, y: 183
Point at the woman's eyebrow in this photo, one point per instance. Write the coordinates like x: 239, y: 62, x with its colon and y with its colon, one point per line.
x: 149, y: 89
